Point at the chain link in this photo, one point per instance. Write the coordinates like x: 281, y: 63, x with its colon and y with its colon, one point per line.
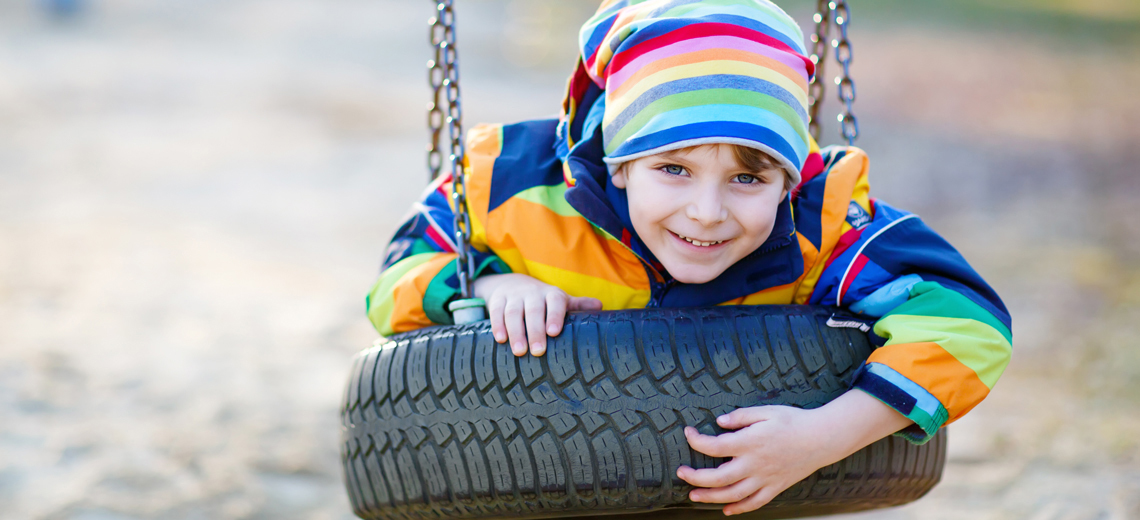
x: 849, y: 125
x: 819, y: 57
x: 832, y: 15
x: 437, y: 34
x: 443, y: 75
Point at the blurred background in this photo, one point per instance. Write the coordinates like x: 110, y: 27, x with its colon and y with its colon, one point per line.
x: 194, y: 197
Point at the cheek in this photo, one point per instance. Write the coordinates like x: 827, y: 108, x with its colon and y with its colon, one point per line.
x: 756, y: 213
x: 649, y: 202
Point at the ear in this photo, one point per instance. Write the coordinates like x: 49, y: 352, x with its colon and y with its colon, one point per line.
x: 618, y: 178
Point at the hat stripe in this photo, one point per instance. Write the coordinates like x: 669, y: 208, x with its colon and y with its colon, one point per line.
x: 623, y: 27
x: 709, y: 11
x: 684, y: 28
x: 683, y: 117
x: 659, y: 119
x: 769, y: 13
x: 616, y: 104
x: 683, y: 32
x: 792, y: 63
x: 669, y: 7
x: 714, y: 51
x: 732, y: 12
x: 710, y: 132
x: 726, y: 89
x: 597, y: 37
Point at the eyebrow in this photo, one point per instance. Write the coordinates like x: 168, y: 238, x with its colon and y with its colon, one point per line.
x: 767, y: 175
x: 671, y: 155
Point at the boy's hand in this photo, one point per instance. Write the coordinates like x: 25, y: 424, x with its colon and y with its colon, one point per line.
x: 525, y: 310
x: 774, y: 447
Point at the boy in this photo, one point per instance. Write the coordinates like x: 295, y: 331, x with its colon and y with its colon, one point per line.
x: 681, y: 174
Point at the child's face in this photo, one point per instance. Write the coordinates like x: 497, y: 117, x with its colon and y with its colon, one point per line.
x: 698, y: 210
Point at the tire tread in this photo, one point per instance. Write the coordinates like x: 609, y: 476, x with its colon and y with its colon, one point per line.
x: 444, y: 422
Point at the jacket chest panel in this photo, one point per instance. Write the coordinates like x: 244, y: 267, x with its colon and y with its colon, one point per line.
x: 567, y: 251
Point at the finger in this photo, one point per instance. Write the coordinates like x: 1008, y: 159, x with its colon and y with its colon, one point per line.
x: 536, y: 324
x: 753, y: 502
x: 555, y: 312
x: 582, y: 303
x: 722, y: 445
x: 728, y: 494
x: 744, y: 417
x: 495, y: 313
x: 516, y: 330
x: 726, y: 474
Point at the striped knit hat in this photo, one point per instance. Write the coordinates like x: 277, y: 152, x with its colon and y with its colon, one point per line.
x: 680, y: 73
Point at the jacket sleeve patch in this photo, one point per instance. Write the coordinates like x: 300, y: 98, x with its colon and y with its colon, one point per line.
x: 906, y: 397
x: 887, y: 297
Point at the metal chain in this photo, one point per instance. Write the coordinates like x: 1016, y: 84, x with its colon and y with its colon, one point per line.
x: 830, y: 12
x: 444, y: 78
x: 818, y: 56
x: 849, y: 125
x: 437, y: 34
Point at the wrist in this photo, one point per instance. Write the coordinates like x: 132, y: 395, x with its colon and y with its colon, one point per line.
x: 485, y: 285
x: 835, y: 441
x: 855, y: 420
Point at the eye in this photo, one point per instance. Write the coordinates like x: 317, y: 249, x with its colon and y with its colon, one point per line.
x: 673, y: 169
x: 747, y: 178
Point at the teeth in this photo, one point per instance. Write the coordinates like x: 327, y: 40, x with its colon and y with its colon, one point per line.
x: 698, y: 243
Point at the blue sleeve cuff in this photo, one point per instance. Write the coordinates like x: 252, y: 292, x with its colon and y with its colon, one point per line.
x: 906, y: 397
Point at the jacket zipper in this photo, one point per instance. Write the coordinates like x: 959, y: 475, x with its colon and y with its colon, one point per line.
x: 657, y: 292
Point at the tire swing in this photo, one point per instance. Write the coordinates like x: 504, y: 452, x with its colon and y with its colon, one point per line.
x: 444, y: 422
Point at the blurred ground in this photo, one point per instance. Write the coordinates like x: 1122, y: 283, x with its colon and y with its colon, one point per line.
x: 194, y: 198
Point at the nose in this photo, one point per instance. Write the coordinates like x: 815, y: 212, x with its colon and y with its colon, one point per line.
x: 706, y: 205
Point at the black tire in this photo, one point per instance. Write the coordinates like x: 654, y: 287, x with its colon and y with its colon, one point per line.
x: 445, y: 423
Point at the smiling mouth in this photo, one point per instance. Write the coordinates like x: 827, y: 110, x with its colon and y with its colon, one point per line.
x: 698, y: 243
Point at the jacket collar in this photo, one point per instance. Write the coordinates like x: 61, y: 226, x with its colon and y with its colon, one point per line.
x: 778, y: 261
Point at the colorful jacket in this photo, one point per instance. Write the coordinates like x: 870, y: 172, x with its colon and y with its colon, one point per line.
x: 943, y: 335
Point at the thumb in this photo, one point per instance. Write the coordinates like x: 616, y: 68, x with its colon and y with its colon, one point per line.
x: 743, y: 417
x: 583, y: 303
